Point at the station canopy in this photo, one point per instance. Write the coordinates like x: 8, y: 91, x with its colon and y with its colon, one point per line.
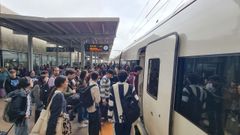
x: 68, y: 32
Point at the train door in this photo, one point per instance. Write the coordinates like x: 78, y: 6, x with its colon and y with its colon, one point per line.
x: 160, y: 66
x: 141, y: 77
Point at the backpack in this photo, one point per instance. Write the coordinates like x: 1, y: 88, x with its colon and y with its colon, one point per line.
x: 86, y: 99
x: 131, y: 109
x: 11, y: 114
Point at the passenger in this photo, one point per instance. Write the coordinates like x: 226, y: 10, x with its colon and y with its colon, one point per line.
x: 230, y: 95
x: 58, y: 104
x: 11, y: 83
x: 93, y: 111
x: 4, y: 75
x: 122, y: 127
x: 215, y: 105
x: 70, y: 94
x: 70, y: 74
x: 114, y: 79
x: 33, y: 76
x: 105, y: 85
x: 22, y: 105
x: 82, y: 111
x: 55, y: 74
x: 78, y: 72
x: 193, y: 99
x: 133, y: 77
x: 40, y: 94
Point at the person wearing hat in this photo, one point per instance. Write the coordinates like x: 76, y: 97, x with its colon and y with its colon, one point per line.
x: 12, y: 82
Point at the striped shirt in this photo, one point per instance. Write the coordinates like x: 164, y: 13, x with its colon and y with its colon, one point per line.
x: 105, y: 85
x: 115, y: 111
x: 197, y: 91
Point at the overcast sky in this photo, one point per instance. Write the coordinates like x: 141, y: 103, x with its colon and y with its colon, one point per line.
x: 132, y: 13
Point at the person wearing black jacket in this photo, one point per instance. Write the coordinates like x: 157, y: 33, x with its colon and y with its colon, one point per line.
x: 11, y: 83
x: 58, y: 105
x: 116, y: 111
x: 40, y: 94
x: 19, y: 111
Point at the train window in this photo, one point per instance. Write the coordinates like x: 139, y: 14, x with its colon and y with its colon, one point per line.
x: 153, y: 75
x: 208, y: 93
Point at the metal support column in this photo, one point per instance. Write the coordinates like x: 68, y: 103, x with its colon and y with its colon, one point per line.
x: 95, y: 58
x: 78, y: 58
x: 57, y: 56
x: 70, y: 55
x: 82, y: 55
x: 70, y: 59
x: 30, y: 52
x: 91, y: 59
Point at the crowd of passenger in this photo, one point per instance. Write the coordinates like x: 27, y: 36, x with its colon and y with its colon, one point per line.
x: 211, y: 104
x: 60, y: 88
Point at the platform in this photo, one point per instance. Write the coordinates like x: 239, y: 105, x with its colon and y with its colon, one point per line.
x: 107, y: 128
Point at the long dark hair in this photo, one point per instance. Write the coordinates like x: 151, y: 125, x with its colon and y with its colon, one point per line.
x: 58, y: 83
x: 83, y: 74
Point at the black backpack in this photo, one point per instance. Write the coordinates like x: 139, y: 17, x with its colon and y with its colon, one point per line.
x: 131, y: 109
x: 86, y: 99
x: 12, y: 113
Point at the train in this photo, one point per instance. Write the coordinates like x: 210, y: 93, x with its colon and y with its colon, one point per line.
x: 202, y: 37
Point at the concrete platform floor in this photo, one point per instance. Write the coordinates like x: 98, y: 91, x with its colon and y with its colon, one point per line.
x: 107, y: 128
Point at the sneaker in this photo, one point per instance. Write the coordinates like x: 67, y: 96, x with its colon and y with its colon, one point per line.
x: 82, y: 125
x: 86, y: 121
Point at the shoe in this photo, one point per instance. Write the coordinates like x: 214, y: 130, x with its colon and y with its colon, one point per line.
x: 85, y: 121
x: 83, y: 125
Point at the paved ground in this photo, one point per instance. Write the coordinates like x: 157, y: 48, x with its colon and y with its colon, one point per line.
x: 106, y: 128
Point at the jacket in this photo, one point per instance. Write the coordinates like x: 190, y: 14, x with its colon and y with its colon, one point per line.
x: 57, y: 107
x: 18, y: 106
x: 11, y: 84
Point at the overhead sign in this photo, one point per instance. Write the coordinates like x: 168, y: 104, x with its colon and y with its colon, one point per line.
x: 62, y: 49
x: 96, y: 48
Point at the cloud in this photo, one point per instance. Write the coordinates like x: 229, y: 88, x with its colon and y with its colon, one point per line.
x: 126, y: 10
x: 132, y: 13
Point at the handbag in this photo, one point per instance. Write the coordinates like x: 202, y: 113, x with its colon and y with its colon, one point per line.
x: 40, y: 127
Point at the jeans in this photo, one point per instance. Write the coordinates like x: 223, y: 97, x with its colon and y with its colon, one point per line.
x: 21, y: 128
x: 94, y: 123
x: 82, y: 113
x: 122, y: 128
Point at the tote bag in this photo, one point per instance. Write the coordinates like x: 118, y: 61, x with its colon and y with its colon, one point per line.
x: 40, y: 127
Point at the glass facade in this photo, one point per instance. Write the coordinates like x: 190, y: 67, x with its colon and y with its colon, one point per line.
x: 23, y: 59
x: 44, y: 60
x: 14, y: 59
x: 10, y: 59
x: 37, y: 60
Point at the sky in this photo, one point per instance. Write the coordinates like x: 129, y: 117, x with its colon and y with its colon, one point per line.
x: 136, y: 16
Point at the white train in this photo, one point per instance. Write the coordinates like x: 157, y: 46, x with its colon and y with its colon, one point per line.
x: 202, y: 38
